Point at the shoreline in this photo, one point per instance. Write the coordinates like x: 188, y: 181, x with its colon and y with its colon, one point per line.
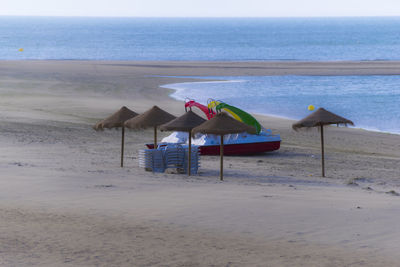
x: 153, y: 75
x: 209, y: 80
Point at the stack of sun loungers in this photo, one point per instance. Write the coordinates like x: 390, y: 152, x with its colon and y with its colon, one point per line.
x: 152, y: 160
x: 174, y: 156
x: 169, y: 156
x: 195, y: 164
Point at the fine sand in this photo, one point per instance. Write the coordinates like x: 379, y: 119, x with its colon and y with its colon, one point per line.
x: 65, y: 201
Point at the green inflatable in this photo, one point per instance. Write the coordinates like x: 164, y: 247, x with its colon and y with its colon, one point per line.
x: 243, y: 115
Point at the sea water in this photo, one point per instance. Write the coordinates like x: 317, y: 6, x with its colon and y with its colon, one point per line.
x: 371, y: 102
x: 225, y: 39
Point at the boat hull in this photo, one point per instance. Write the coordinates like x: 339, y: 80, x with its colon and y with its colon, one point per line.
x: 241, y: 149
x: 237, y: 149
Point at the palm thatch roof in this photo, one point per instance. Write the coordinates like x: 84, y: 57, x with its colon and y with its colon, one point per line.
x: 184, y: 123
x: 115, y: 120
x: 151, y: 118
x: 321, y: 117
x: 223, y: 124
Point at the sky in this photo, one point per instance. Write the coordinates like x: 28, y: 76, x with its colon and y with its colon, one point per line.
x: 201, y: 8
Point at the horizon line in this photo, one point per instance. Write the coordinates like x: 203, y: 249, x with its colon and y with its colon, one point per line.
x: 204, y: 17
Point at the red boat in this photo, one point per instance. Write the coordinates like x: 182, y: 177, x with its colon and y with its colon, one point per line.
x: 236, y: 149
x: 234, y: 144
x: 241, y: 149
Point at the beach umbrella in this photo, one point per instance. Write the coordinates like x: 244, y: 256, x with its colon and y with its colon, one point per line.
x: 117, y: 120
x: 184, y: 123
x: 152, y: 118
x: 221, y: 125
x: 320, y: 118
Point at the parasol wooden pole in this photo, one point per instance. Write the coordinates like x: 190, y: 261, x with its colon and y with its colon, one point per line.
x: 155, y: 137
x: 190, y: 153
x: 221, y: 154
x: 122, y: 145
x: 322, y: 151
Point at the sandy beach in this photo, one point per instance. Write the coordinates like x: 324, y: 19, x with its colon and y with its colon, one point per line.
x: 66, y: 202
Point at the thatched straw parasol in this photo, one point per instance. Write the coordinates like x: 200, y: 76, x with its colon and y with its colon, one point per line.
x: 320, y: 118
x: 117, y: 120
x: 184, y: 123
x: 221, y: 125
x: 153, y: 117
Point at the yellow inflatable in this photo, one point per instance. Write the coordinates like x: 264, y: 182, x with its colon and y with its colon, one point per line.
x: 214, y: 103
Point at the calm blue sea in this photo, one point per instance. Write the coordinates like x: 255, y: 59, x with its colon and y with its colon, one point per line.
x: 200, y: 39
x: 372, y: 102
